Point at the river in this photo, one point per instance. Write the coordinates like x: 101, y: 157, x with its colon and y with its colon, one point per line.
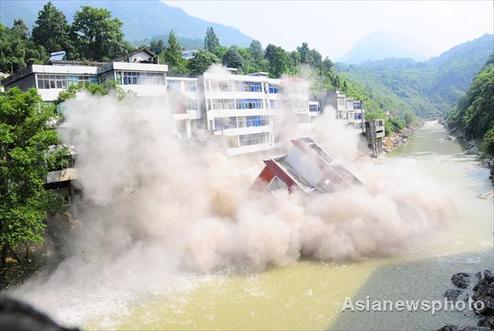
x: 310, y: 295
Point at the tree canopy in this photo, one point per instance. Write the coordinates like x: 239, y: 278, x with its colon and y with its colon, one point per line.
x: 202, y: 61
x: 51, y: 30
x: 16, y: 49
x: 474, y: 114
x: 25, y: 137
x: 211, y: 42
x: 232, y: 58
x: 172, y: 55
x: 98, y: 36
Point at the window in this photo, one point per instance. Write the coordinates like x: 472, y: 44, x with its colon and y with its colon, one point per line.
x: 274, y: 89
x: 225, y: 123
x: 251, y: 87
x: 81, y: 79
x: 222, y: 104
x: 249, y: 104
x: 52, y: 81
x: 253, y: 139
x: 130, y: 78
x: 358, y: 116
x: 174, y: 85
x: 220, y: 86
x: 249, y: 121
x: 313, y: 108
x: 191, y: 86
x: 357, y: 105
x: 191, y: 104
x: 142, y: 78
x: 274, y: 104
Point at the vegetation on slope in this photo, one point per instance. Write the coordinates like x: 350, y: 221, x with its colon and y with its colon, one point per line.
x: 427, y: 88
x: 141, y: 20
x: 474, y: 114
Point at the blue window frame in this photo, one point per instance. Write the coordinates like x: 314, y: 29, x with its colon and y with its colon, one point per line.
x: 274, y: 89
x: 249, y: 104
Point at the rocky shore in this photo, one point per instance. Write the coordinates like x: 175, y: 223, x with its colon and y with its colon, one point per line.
x: 479, y: 289
x: 397, y: 139
x: 471, y: 146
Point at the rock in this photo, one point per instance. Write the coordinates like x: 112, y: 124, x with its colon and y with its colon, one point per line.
x: 486, y: 322
x: 452, y: 295
x: 461, y: 279
x: 488, y: 307
x: 488, y: 276
x: 449, y: 327
x: 483, y: 289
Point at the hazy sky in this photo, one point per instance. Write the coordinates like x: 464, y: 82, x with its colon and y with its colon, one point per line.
x: 333, y: 27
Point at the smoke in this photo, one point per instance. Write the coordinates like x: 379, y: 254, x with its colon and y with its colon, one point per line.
x: 155, y: 207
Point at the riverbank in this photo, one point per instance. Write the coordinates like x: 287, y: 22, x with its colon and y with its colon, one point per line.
x: 399, y: 138
x: 470, y: 146
x: 478, y: 289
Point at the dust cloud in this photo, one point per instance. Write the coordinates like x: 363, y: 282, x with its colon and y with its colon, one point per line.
x: 155, y: 207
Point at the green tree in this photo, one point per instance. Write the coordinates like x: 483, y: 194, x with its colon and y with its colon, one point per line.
x: 16, y: 49
x: 25, y: 136
x: 51, y: 30
x: 304, y: 52
x: 409, y: 118
x: 232, y: 58
x: 20, y: 29
x: 98, y: 36
x: 278, y: 60
x: 157, y: 46
x: 172, y: 55
x: 327, y: 64
x: 211, y: 42
x: 487, y: 144
x: 256, y: 51
x: 202, y: 61
x: 96, y: 89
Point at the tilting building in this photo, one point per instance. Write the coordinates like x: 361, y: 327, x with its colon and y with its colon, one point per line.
x: 348, y: 109
x: 306, y: 167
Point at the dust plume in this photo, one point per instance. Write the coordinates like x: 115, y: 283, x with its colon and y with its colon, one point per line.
x: 155, y: 207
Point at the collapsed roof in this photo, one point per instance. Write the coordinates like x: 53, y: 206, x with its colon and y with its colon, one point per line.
x: 307, y: 167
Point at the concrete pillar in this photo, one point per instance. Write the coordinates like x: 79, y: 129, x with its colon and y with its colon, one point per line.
x: 188, y: 128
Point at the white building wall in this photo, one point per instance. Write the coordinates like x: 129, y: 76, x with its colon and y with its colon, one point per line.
x: 244, y: 117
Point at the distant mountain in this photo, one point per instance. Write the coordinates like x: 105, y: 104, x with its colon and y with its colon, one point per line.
x: 382, y: 45
x: 141, y: 19
x: 429, y: 88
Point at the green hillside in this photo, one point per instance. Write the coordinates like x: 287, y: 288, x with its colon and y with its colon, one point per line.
x: 473, y: 117
x: 142, y: 19
x: 428, y: 88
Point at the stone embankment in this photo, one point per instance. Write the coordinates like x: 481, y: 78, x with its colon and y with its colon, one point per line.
x: 397, y: 139
x: 478, y: 288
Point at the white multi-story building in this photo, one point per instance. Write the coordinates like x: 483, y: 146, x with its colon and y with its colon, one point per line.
x: 136, y: 72
x: 242, y: 107
x: 314, y: 109
x: 188, y: 115
x: 348, y: 109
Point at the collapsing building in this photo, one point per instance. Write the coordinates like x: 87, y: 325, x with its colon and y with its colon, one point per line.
x: 306, y: 167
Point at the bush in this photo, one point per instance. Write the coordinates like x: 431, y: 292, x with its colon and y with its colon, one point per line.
x: 487, y: 144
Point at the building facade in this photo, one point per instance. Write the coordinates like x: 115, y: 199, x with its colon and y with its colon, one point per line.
x: 241, y: 108
x: 187, y: 114
x: 348, y: 109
